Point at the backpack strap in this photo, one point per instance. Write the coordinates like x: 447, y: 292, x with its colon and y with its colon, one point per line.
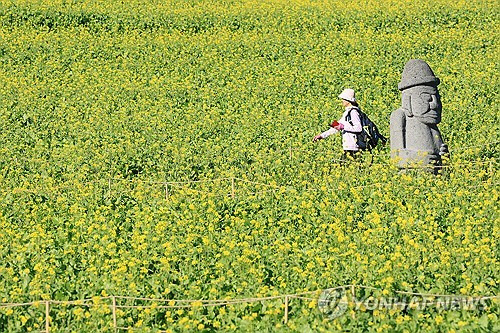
x: 348, y: 117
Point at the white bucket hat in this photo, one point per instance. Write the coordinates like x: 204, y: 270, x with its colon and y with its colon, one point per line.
x: 348, y: 95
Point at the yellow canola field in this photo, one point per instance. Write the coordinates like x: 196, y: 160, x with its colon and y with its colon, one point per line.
x: 105, y: 105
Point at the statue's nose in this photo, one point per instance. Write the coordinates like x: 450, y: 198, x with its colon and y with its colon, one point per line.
x: 434, y: 103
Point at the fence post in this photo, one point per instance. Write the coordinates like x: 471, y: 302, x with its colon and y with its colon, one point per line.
x: 232, y: 188
x: 47, y: 313
x: 353, y: 292
x: 286, y: 309
x: 166, y: 191
x: 113, y: 298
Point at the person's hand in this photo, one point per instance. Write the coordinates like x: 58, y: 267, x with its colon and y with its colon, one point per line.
x: 317, y: 138
x: 339, y: 126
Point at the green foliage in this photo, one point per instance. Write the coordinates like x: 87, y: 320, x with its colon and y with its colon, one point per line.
x: 152, y: 91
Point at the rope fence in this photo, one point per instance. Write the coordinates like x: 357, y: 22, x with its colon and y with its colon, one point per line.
x: 168, y: 186
x: 289, y: 151
x: 334, y: 190
x: 232, y: 188
x: 114, y: 302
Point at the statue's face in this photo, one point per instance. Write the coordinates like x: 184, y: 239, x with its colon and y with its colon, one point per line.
x: 425, y: 103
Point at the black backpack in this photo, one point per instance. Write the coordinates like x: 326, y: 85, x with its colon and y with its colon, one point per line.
x: 369, y: 136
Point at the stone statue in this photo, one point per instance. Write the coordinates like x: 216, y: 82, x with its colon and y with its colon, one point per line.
x: 415, y: 137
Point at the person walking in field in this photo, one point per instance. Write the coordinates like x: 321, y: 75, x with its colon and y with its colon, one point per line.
x: 349, y: 125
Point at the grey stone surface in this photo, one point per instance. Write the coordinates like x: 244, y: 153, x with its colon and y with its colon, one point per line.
x: 415, y: 137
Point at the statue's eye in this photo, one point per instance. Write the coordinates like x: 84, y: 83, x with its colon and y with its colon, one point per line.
x: 426, y: 97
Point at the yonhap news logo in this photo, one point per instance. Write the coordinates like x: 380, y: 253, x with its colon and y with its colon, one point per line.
x: 334, y: 302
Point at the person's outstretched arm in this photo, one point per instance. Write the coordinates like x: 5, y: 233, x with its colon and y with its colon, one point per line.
x: 325, y: 134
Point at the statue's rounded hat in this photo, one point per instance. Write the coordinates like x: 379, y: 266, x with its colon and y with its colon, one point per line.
x: 416, y: 73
